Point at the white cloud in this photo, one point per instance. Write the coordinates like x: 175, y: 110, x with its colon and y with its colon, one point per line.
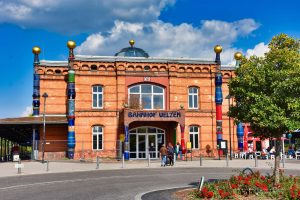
x: 166, y: 40
x: 259, y: 50
x: 80, y: 16
x: 27, y: 112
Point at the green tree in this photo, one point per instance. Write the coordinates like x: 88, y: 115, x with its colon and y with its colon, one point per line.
x: 267, y: 91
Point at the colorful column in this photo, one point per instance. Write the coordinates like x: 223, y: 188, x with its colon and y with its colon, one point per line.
x: 126, y: 143
x: 71, y: 101
x: 36, y: 83
x: 240, y: 128
x: 182, y: 138
x: 218, y: 95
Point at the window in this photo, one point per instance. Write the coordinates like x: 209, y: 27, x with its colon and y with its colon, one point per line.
x: 97, y: 96
x: 193, y: 98
x: 97, y: 138
x: 194, y: 136
x: 147, y: 97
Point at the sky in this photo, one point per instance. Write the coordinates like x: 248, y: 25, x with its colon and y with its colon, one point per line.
x: 163, y: 28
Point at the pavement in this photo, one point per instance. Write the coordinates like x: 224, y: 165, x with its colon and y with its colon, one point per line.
x: 8, y: 169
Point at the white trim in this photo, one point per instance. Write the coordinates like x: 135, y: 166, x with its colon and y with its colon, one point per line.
x: 97, y: 133
x: 193, y: 94
x: 97, y: 93
x: 193, y: 135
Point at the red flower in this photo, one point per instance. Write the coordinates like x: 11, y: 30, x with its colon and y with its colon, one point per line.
x: 246, y: 182
x: 234, y: 186
x: 263, y: 177
x: 221, y: 192
x: 210, y: 194
x: 298, y: 193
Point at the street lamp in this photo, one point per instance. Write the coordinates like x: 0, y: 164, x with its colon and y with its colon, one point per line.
x: 229, y: 97
x: 45, y: 95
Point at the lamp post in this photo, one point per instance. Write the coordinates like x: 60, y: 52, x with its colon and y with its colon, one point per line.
x: 45, y: 95
x: 229, y: 121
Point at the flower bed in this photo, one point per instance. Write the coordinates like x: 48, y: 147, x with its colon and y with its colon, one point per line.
x: 254, y: 186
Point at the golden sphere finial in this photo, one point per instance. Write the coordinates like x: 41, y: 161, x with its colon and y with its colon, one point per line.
x: 131, y: 42
x: 238, y: 55
x: 71, y: 44
x: 36, y: 50
x: 218, y: 49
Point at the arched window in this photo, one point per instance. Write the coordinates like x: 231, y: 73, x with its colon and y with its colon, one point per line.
x: 97, y: 138
x: 193, y: 97
x: 97, y: 96
x: 147, y: 97
x: 194, y: 136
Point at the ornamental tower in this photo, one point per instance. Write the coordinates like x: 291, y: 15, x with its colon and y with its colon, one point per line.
x: 36, y: 83
x: 71, y: 101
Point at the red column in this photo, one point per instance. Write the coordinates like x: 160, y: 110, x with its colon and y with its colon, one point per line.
x: 182, y: 139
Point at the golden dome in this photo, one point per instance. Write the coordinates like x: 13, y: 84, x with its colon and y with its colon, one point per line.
x: 131, y: 42
x: 36, y: 50
x: 238, y: 55
x: 71, y: 44
x: 218, y: 49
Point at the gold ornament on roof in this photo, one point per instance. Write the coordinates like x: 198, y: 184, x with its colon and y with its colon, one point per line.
x: 36, y: 50
x: 131, y: 42
x: 71, y: 44
x: 218, y: 49
x: 238, y: 55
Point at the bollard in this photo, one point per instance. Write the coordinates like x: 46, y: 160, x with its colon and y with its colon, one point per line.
x: 283, y: 161
x: 123, y: 161
x: 200, y: 160
x: 149, y: 160
x: 174, y: 159
x: 227, y: 161
x: 255, y: 158
x: 97, y: 165
x: 19, y: 168
x: 47, y: 169
x: 201, y: 183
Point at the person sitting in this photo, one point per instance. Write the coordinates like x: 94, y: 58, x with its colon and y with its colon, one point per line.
x: 272, y: 151
x: 264, y: 154
x: 291, y: 152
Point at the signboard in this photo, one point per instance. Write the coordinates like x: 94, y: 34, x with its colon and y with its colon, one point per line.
x: 19, y: 165
x: 16, y: 158
x: 171, y: 114
x: 188, y: 145
x: 222, y: 144
x: 122, y: 137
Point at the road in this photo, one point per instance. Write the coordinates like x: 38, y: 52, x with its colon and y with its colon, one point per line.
x: 126, y: 184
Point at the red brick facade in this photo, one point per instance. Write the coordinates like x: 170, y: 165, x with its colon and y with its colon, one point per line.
x: 115, y: 76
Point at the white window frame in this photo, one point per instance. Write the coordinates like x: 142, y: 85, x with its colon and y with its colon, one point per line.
x: 97, y: 93
x: 193, y: 94
x: 152, y: 95
x: 97, y: 134
x: 193, y: 133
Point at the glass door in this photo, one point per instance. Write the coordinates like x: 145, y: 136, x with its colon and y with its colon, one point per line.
x: 142, y: 152
x: 152, y: 146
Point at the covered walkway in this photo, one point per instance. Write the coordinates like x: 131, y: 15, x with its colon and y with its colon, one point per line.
x: 24, y: 133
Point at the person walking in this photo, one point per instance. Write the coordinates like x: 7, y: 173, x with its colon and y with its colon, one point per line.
x: 170, y: 154
x: 163, y: 154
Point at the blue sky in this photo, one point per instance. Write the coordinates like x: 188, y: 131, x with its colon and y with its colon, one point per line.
x: 163, y: 28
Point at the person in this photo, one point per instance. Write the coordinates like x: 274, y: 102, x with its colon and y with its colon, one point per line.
x: 291, y: 152
x: 170, y: 154
x: 163, y: 154
x: 178, y: 150
x: 264, y: 153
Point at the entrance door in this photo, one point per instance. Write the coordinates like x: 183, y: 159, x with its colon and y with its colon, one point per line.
x: 142, y: 147
x: 144, y: 141
x: 152, y: 144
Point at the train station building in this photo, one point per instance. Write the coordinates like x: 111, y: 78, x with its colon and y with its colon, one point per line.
x: 128, y: 103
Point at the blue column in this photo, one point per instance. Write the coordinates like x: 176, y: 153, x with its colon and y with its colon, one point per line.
x: 36, y: 84
x: 126, y: 143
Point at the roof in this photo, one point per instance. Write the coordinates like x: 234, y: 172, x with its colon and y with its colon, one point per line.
x: 35, y: 120
x: 112, y: 59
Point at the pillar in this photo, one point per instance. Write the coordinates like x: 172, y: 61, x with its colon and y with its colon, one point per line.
x: 126, y: 143
x: 71, y: 101
x: 182, y: 138
x: 1, y: 149
x: 36, y: 83
x: 218, y: 95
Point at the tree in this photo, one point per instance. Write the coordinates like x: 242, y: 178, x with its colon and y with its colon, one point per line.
x: 267, y: 91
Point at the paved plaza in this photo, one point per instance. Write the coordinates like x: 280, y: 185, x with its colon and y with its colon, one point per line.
x: 36, y: 167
